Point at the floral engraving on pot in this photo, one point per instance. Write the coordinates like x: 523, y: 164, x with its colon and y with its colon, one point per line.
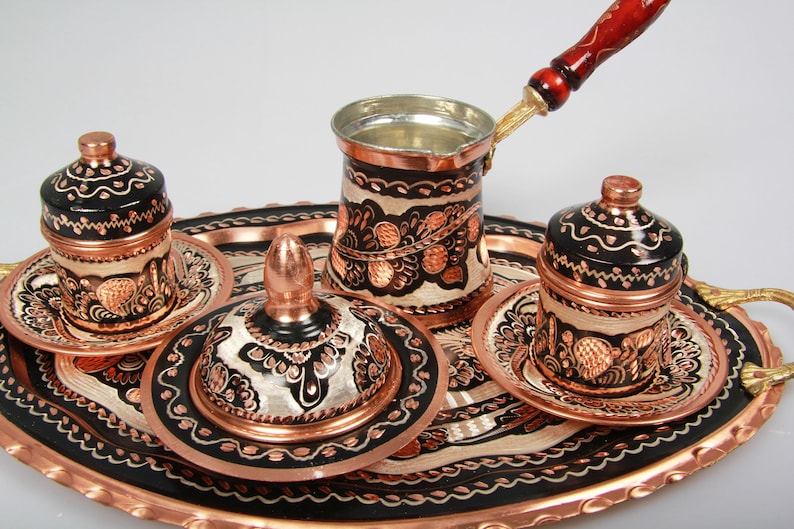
x: 395, y: 254
x: 115, y: 292
x: 202, y: 276
x: 231, y: 386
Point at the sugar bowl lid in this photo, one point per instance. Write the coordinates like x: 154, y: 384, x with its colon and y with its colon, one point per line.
x: 295, y: 384
x: 103, y: 195
x: 291, y: 365
x: 614, y: 243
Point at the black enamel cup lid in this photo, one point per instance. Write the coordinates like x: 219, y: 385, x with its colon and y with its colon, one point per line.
x: 103, y: 195
x: 614, y: 242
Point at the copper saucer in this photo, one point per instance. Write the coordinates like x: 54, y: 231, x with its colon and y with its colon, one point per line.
x: 689, y: 381
x: 30, y: 303
x: 181, y: 422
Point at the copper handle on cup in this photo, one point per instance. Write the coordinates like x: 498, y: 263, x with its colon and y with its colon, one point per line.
x: 755, y: 379
x: 550, y: 87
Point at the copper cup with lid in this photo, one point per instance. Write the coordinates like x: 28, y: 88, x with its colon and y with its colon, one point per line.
x: 107, y: 219
x: 609, y: 270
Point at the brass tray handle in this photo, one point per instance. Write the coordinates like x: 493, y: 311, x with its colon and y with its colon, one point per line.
x: 755, y: 379
x: 7, y: 268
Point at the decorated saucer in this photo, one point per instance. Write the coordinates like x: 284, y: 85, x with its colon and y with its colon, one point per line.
x: 692, y: 377
x: 294, y: 384
x: 30, y: 301
x: 177, y: 419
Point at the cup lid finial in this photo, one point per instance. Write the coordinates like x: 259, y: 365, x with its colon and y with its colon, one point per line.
x: 621, y: 191
x: 97, y: 148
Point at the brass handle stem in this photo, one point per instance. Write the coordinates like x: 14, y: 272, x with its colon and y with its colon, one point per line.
x: 755, y: 379
x: 6, y: 269
x: 531, y: 103
x: 722, y: 298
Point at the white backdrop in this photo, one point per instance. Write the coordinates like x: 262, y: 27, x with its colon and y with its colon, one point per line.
x: 232, y: 101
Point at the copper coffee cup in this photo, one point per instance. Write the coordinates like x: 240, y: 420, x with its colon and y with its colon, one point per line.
x: 107, y: 219
x: 609, y: 271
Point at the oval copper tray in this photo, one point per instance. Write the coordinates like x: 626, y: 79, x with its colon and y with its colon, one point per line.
x: 487, y: 458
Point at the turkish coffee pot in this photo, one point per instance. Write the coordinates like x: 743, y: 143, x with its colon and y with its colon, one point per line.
x: 410, y: 220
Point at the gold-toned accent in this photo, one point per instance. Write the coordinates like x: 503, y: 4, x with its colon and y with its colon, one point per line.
x: 755, y: 379
x: 723, y: 299
x: 531, y: 103
x: 6, y: 269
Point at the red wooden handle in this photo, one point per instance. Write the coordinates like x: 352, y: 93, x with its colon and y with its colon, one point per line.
x: 624, y: 21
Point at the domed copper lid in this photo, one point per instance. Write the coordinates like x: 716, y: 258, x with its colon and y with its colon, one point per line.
x: 294, y: 365
x: 614, y: 244
x: 103, y: 195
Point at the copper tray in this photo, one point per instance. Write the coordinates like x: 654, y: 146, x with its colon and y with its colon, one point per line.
x: 487, y: 458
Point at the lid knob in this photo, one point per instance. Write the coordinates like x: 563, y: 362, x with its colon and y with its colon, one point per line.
x: 619, y: 191
x: 289, y: 279
x: 97, y: 148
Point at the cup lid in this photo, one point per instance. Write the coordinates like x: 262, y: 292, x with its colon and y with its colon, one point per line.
x: 103, y: 195
x: 614, y: 243
x: 294, y: 364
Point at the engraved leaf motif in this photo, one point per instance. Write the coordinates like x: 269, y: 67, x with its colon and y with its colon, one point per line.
x: 593, y: 355
x: 114, y: 293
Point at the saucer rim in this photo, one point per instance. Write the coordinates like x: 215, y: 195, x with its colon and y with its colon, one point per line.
x: 718, y: 372
x: 111, y: 347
